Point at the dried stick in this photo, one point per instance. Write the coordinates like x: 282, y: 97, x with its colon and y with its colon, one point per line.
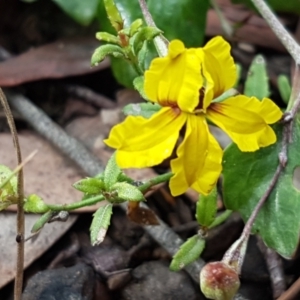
x: 20, y: 195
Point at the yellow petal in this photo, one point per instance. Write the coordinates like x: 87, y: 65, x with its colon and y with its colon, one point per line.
x: 144, y: 142
x: 198, y: 162
x: 218, y: 67
x: 175, y: 80
x: 246, y: 120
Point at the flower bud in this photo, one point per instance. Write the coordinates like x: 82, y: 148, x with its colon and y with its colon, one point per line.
x: 219, y: 281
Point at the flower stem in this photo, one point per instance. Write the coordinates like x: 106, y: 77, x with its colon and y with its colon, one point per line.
x: 283, y: 35
x: 161, y: 43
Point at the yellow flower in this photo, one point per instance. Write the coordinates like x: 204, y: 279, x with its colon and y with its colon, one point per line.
x: 184, y: 83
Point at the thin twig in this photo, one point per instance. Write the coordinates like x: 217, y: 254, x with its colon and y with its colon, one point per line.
x: 20, y: 195
x: 283, y: 35
x: 161, y: 43
x: 292, y: 292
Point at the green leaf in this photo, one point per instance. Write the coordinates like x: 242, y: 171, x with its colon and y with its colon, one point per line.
x: 89, y: 185
x: 135, y: 26
x: 187, y: 253
x: 35, y: 204
x: 128, y: 192
x: 247, y: 176
x: 105, y: 50
x: 206, y: 208
x: 284, y: 87
x: 113, y: 14
x: 168, y: 16
x: 257, y: 82
x: 8, y: 182
x: 40, y: 223
x: 100, y: 223
x: 81, y: 11
x: 138, y: 84
x: 222, y: 217
x: 107, y: 37
x: 144, y: 34
x: 111, y: 172
x: 145, y: 110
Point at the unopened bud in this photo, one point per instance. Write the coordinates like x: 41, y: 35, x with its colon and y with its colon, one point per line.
x: 219, y: 281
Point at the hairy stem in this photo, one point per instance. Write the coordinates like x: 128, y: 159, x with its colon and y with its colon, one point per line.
x: 20, y: 195
x: 283, y: 35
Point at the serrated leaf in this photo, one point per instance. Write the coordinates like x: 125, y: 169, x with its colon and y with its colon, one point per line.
x: 100, y: 223
x: 144, y: 34
x: 284, y: 87
x: 111, y: 172
x: 257, y: 82
x: 247, y: 177
x: 138, y: 84
x: 81, y: 11
x: 113, y: 14
x: 89, y: 185
x: 145, y: 110
x: 128, y: 192
x: 105, y: 50
x: 35, y: 204
x: 187, y: 253
x: 206, y: 208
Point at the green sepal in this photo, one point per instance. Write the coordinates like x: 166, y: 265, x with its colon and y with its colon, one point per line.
x: 127, y: 192
x: 138, y: 84
x: 123, y: 177
x: 113, y: 14
x: 206, y: 208
x: 187, y: 253
x: 257, y: 82
x: 145, y: 110
x: 111, y: 172
x: 101, y: 52
x: 100, y: 223
x: 35, y: 204
x: 107, y: 37
x: 284, y: 87
x: 89, y: 185
x: 135, y: 26
x: 40, y: 223
x: 144, y: 34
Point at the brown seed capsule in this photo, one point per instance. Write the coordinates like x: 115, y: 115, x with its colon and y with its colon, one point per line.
x: 219, y: 281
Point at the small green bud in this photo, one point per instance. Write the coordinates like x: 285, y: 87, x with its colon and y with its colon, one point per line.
x: 219, y: 281
x: 135, y: 26
x: 89, y: 186
x: 35, y: 204
x: 107, y: 37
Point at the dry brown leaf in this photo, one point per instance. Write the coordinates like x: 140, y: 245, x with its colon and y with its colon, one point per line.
x: 68, y: 57
x: 49, y: 174
x: 33, y: 248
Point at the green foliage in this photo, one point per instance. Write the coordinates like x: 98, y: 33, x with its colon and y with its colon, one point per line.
x: 128, y: 192
x: 40, y: 223
x: 81, y: 11
x: 257, y: 82
x: 35, y: 204
x: 111, y: 172
x: 105, y: 50
x: 100, y: 223
x: 187, y: 253
x: 247, y: 176
x: 138, y: 84
x: 179, y: 19
x: 8, y: 187
x: 206, y: 208
x: 284, y: 87
x: 145, y: 110
x: 89, y: 186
